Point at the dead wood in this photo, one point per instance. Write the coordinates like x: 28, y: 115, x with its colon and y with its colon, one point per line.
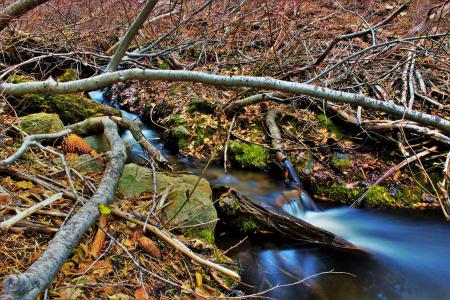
x: 29, y: 284
x: 233, y: 206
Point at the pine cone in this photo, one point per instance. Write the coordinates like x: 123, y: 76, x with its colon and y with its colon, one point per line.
x: 76, y: 144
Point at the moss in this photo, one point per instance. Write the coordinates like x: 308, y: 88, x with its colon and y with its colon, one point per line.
x: 71, y: 108
x: 340, y: 161
x: 202, y: 133
x: 16, y: 78
x: 201, y: 105
x: 178, y: 119
x: 379, y: 196
x: 41, y: 123
x: 329, y: 125
x: 204, y: 234
x: 247, y: 224
x: 306, y: 165
x: 409, y: 196
x: 161, y: 64
x: 69, y: 75
x: 249, y: 155
x: 337, y: 192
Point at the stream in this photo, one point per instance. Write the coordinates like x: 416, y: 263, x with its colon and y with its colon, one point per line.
x: 406, y: 253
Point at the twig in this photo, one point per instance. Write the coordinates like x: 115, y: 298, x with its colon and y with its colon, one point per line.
x: 225, y: 151
x: 173, y: 242
x: 391, y: 171
x: 5, y: 225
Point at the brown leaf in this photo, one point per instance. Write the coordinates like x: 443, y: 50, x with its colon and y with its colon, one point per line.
x: 5, y: 199
x: 24, y: 185
x: 149, y: 246
x: 100, y: 237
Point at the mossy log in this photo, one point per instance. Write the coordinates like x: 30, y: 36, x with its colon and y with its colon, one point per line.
x: 252, y: 217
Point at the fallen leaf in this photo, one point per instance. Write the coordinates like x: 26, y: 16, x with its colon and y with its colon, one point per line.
x: 70, y: 294
x: 120, y: 296
x: 198, y: 279
x: 24, y: 185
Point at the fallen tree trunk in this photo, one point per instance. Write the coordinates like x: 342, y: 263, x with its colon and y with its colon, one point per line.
x: 238, y: 210
x: 107, y: 79
x: 29, y: 284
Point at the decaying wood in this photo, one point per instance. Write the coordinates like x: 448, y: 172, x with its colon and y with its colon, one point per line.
x: 275, y: 133
x: 231, y: 205
x: 236, y: 105
x: 176, y: 244
x: 29, y: 284
x: 107, y: 79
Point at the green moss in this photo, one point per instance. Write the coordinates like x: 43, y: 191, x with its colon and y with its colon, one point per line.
x: 16, y: 78
x: 306, y: 165
x: 161, y: 64
x: 340, y: 161
x: 71, y: 108
x: 247, y: 224
x: 202, y: 133
x: 41, y: 123
x: 379, y: 196
x: 337, y: 192
x: 178, y: 119
x: 328, y: 124
x: 249, y: 155
x: 204, y: 234
x: 201, y: 105
x: 409, y: 196
x: 69, y: 75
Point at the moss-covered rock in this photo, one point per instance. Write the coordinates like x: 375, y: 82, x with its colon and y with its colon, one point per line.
x: 379, y: 196
x: 229, y: 207
x: 198, y: 211
x: 41, y: 123
x: 71, y: 108
x: 340, y: 161
x: 249, y: 155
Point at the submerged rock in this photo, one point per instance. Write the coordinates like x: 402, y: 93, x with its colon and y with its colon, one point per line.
x: 194, y: 214
x: 41, y: 123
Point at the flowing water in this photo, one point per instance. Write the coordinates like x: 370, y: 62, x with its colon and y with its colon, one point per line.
x: 406, y: 254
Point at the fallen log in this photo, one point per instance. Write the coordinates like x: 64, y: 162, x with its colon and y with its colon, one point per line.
x: 29, y: 284
x: 236, y: 210
x: 107, y: 79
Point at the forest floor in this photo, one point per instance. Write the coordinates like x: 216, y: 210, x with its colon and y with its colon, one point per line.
x: 336, y: 160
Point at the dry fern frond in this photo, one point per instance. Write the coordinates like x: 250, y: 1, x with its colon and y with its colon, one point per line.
x: 76, y: 144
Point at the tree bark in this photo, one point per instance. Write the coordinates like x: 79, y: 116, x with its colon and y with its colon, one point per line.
x: 16, y: 10
x: 106, y: 79
x: 231, y: 206
x: 29, y: 284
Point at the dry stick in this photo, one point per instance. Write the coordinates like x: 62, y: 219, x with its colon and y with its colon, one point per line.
x: 362, y: 51
x: 440, y: 105
x: 411, y: 82
x: 225, y: 151
x: 106, y: 79
x: 391, y: 171
x: 17, y: 9
x: 35, y: 226
x: 28, y: 141
x: 339, y: 38
x: 5, y: 225
x: 176, y: 244
x: 129, y: 36
x: 442, y: 187
x: 135, y: 130
x: 28, y: 285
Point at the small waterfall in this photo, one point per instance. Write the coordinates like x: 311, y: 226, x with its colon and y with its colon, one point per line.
x: 297, y: 206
